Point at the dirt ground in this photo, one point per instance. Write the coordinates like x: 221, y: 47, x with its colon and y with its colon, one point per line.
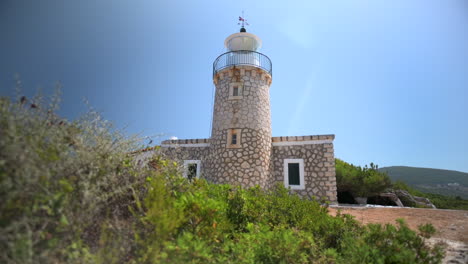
x: 451, y: 225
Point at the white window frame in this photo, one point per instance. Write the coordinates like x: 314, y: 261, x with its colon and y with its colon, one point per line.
x: 186, y: 166
x: 301, y: 186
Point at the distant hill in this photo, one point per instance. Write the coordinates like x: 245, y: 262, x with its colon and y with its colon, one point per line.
x: 445, y: 182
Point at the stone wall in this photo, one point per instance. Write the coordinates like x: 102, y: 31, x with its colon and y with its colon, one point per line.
x: 187, y: 149
x: 252, y: 108
x: 319, y: 164
x: 245, y: 165
x: 248, y: 112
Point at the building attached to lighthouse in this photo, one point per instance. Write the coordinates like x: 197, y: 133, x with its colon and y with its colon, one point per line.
x: 241, y: 149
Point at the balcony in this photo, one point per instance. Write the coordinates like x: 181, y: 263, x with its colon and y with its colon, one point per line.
x: 242, y: 57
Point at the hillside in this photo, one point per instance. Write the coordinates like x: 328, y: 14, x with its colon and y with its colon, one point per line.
x: 445, y: 182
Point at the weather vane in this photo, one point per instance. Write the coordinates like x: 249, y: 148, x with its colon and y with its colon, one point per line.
x: 242, y: 21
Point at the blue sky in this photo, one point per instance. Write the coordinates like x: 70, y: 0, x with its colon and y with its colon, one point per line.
x: 388, y: 78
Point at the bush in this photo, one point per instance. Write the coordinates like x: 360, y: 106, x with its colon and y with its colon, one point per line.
x: 392, y: 244
x: 72, y: 193
x: 206, y: 223
x: 360, y: 182
x: 58, y: 180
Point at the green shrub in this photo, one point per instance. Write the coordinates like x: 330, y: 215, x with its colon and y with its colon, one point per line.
x: 391, y: 244
x: 360, y: 182
x: 72, y: 193
x: 235, y: 225
x: 58, y: 180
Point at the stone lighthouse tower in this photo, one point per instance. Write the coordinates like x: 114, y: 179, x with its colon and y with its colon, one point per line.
x: 241, y: 142
x: 241, y: 149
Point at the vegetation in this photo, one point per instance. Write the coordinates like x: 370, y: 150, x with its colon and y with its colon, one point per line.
x: 416, y: 176
x: 72, y: 193
x: 360, y: 182
x: 57, y: 180
x: 433, y: 181
x: 370, y: 180
x: 440, y: 201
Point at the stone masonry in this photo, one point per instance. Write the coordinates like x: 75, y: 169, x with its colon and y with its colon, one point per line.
x: 259, y: 158
x: 188, y: 149
x: 319, y: 164
x: 249, y: 113
x: 316, y: 151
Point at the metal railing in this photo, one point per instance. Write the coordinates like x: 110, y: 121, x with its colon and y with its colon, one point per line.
x: 242, y: 57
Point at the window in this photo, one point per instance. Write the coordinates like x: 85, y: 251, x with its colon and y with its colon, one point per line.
x: 235, y: 90
x: 192, y: 169
x: 234, y: 138
x: 294, y: 174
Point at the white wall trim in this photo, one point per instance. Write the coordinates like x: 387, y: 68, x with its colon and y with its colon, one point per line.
x: 187, y: 162
x: 189, y: 145
x: 298, y: 143
x: 301, y: 186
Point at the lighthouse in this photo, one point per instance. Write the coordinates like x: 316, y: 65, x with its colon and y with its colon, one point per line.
x: 241, y: 150
x: 241, y: 127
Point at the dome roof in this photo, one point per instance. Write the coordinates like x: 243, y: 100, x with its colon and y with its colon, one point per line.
x: 243, y: 41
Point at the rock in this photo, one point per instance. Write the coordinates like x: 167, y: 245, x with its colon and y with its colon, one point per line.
x: 392, y: 197
x: 399, y: 198
x: 424, y: 201
x: 245, y: 165
x: 413, y: 201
